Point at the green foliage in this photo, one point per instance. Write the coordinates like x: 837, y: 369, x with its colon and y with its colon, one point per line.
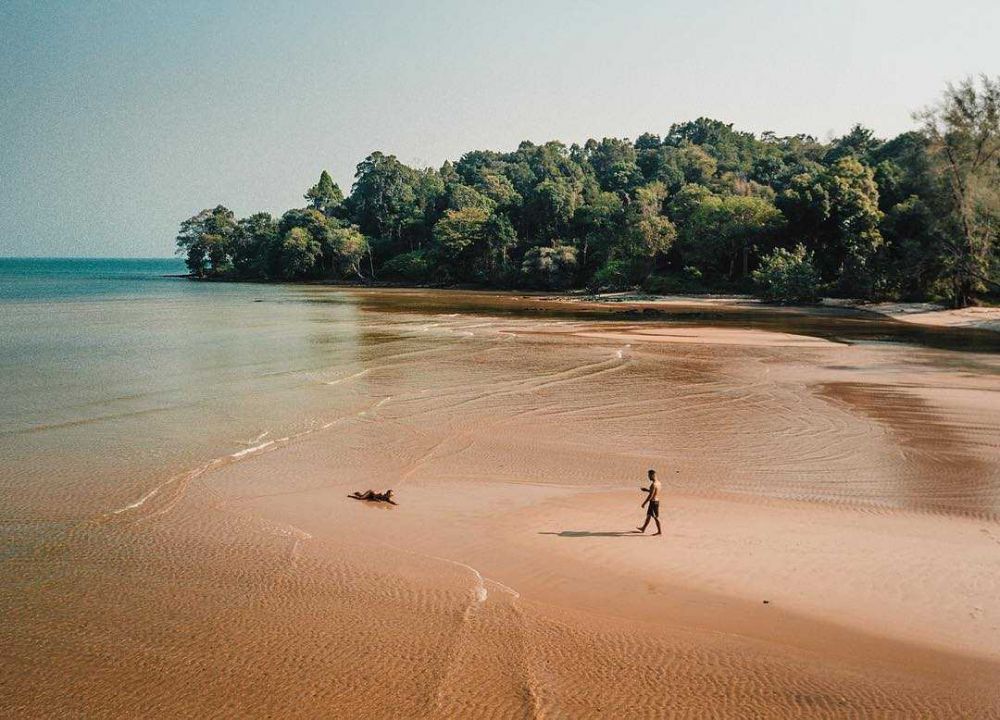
x: 688, y: 281
x: 414, y: 266
x: 254, y: 244
x: 615, y: 163
x: 347, y: 248
x: 730, y: 150
x: 551, y: 207
x: 205, y: 240
x: 383, y: 200
x: 549, y: 268
x: 613, y: 275
x: 860, y: 142
x: 855, y: 212
x: 298, y: 254
x: 325, y: 195
x: 963, y: 143
x: 501, y: 240
x: 836, y: 213
x: 910, y: 264
x: 341, y: 246
x: 463, y: 197
x: 725, y: 233
x: 787, y: 276
x: 645, y: 232
x: 701, y: 207
x: 459, y: 239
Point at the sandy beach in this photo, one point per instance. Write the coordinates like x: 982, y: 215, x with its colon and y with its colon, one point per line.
x: 985, y: 318
x: 917, y: 313
x: 831, y: 540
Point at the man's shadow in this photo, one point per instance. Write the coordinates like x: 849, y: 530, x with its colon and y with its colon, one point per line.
x: 588, y: 533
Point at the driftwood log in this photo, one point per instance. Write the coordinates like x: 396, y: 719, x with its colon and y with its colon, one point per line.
x: 372, y: 496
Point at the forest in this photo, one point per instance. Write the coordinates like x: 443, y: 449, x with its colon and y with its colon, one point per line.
x: 701, y: 208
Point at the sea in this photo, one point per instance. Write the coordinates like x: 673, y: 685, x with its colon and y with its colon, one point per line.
x: 116, y: 373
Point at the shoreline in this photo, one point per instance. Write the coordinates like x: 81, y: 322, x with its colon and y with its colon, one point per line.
x: 927, y: 314
x: 917, y: 313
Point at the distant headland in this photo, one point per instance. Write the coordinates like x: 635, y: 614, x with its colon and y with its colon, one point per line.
x: 702, y: 208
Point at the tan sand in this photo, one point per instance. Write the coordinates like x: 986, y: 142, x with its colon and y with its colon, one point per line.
x: 856, y: 489
x: 916, y: 313
x: 985, y: 318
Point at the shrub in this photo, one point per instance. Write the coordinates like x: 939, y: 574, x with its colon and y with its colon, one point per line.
x: 787, y: 276
x: 613, y: 275
x: 411, y: 266
x: 687, y: 282
x: 551, y: 268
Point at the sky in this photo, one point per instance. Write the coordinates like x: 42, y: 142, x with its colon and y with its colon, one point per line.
x: 120, y: 119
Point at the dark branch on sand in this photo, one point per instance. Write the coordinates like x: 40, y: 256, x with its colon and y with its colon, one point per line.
x: 373, y: 496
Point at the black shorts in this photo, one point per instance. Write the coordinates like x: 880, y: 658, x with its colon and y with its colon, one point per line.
x: 653, y: 509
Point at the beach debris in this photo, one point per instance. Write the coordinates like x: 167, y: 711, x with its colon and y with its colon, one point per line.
x: 372, y: 496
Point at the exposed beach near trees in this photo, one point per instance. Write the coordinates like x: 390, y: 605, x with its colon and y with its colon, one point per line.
x: 181, y: 543
x: 919, y: 313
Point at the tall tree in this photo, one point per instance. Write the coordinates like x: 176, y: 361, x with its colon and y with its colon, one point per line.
x: 859, y: 142
x: 255, y: 246
x: 205, y: 240
x: 963, y: 135
x: 856, y: 216
x: 645, y: 232
x: 835, y: 213
x: 298, y: 254
x: 325, y: 195
x: 723, y: 232
x: 460, y: 239
x: 615, y: 163
x: 382, y: 196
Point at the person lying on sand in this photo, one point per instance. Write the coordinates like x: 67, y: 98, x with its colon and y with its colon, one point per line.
x: 374, y: 496
x: 652, y: 503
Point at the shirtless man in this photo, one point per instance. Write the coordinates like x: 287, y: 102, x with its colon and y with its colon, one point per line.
x: 652, y: 503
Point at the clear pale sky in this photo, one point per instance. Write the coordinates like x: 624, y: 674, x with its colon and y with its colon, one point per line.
x: 120, y: 119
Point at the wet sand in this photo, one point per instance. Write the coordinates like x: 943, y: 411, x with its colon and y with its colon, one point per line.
x: 853, y: 486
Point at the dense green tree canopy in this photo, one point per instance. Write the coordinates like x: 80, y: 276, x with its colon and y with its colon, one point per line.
x: 700, y: 206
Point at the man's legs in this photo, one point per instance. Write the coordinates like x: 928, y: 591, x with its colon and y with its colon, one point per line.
x: 649, y: 514
x: 652, y: 512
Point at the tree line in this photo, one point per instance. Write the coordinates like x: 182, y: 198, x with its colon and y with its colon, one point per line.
x: 703, y: 207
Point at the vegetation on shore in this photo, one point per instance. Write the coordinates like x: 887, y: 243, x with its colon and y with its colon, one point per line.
x: 704, y: 207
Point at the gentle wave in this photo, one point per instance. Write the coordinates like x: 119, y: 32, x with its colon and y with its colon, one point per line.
x: 239, y: 455
x: 254, y: 449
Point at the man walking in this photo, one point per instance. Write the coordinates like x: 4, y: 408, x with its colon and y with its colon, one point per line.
x: 652, y: 503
